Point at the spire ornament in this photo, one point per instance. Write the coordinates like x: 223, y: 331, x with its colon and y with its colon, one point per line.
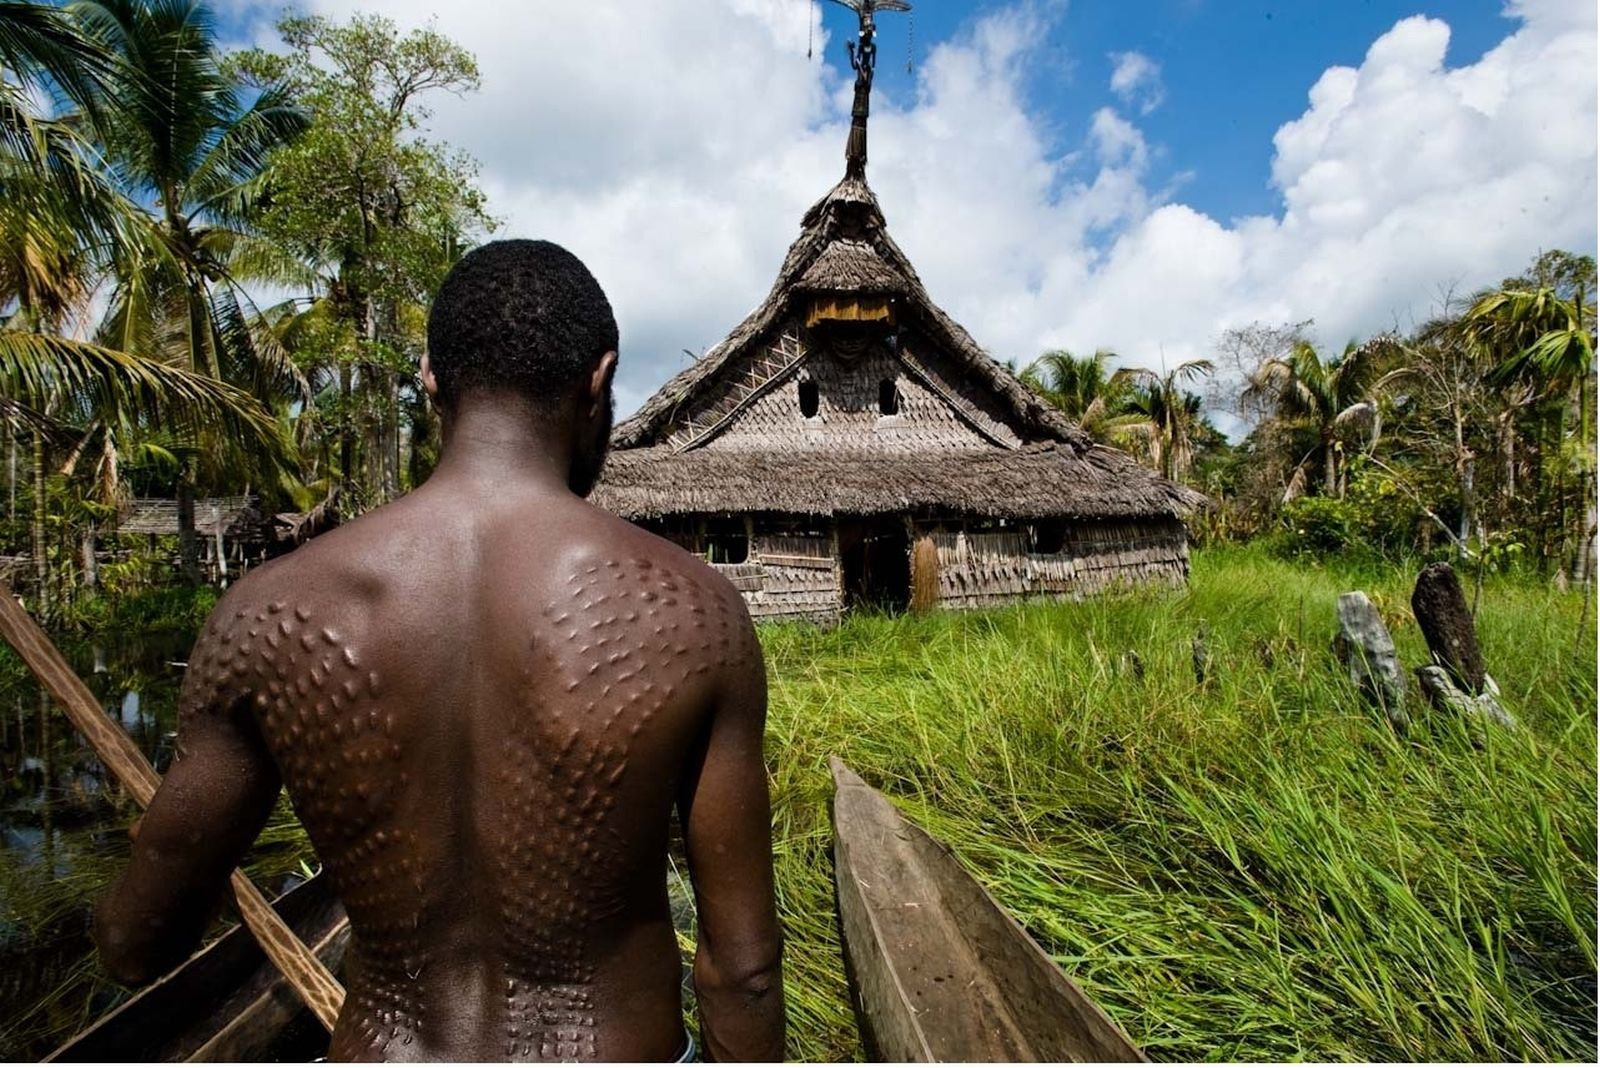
x: 863, y: 60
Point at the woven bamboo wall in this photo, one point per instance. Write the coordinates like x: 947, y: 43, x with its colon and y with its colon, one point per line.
x: 788, y: 578
x: 994, y: 567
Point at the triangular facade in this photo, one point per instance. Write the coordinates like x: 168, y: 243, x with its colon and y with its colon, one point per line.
x: 850, y: 443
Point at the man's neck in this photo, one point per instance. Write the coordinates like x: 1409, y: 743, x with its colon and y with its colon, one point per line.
x: 505, y: 440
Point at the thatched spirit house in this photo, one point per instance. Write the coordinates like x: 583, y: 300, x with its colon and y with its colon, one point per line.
x: 850, y: 443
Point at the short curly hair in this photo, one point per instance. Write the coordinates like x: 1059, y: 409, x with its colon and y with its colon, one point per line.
x: 518, y: 315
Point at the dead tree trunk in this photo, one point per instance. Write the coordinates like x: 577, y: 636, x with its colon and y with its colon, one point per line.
x: 1441, y: 610
x: 1456, y: 682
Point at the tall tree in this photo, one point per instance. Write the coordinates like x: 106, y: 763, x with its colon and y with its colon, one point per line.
x: 381, y: 211
x: 1540, y: 339
x: 63, y: 220
x: 1162, y: 415
x: 184, y: 139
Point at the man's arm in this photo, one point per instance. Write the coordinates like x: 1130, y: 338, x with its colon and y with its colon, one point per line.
x: 727, y: 824
x: 208, y: 810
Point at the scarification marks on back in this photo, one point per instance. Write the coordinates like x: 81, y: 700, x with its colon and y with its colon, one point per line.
x: 320, y: 709
x: 616, y: 651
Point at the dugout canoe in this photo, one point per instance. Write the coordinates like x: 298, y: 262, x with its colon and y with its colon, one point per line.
x: 938, y: 970
x: 227, y: 1002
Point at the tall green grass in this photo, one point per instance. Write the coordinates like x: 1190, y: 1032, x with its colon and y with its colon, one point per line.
x: 1254, y: 868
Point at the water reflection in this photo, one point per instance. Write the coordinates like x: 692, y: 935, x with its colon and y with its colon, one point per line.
x: 63, y: 831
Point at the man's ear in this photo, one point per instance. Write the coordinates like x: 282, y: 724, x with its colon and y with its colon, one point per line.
x: 600, y: 382
x: 430, y: 384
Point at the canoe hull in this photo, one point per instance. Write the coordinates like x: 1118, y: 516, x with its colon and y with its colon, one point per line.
x: 938, y: 970
x: 227, y: 1002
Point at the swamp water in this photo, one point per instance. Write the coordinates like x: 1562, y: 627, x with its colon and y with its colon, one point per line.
x: 63, y: 830
x: 64, y: 835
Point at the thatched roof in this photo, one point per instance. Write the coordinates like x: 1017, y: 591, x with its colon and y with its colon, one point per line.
x: 236, y: 517
x: 844, y: 239
x: 847, y: 266
x: 1041, y: 480
x: 1042, y: 465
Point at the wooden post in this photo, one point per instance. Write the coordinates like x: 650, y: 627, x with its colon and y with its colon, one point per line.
x: 1441, y: 610
x: 924, y: 574
x: 316, y: 986
x: 1457, y: 680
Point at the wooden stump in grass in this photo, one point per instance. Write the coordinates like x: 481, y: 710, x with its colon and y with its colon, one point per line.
x: 1364, y: 646
x: 1442, y: 613
x: 1456, y: 682
x: 1200, y: 655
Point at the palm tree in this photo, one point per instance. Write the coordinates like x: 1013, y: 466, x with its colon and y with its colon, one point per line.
x: 1078, y: 385
x: 1161, y: 414
x: 1541, y: 341
x: 1326, y: 396
x: 182, y: 139
x: 61, y: 222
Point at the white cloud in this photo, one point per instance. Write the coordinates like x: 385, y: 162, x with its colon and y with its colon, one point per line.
x: 675, y: 144
x: 1136, y: 79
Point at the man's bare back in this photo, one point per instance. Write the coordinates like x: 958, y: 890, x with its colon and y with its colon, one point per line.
x: 486, y: 700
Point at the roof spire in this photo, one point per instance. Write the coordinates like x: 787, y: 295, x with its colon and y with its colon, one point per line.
x: 863, y: 59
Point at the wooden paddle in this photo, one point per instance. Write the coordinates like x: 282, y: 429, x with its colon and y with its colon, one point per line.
x: 316, y: 986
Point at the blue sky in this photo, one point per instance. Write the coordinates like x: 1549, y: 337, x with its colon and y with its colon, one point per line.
x: 1233, y: 71
x: 1139, y: 177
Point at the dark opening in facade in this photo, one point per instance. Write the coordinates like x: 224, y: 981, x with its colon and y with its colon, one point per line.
x: 727, y: 541
x: 1049, y: 535
x: 808, y: 398
x: 888, y: 397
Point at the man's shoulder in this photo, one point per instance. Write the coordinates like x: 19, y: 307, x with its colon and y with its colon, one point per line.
x: 345, y: 563
x: 656, y: 552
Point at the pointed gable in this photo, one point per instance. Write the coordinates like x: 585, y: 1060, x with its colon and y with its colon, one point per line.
x: 844, y: 253
x: 849, y: 390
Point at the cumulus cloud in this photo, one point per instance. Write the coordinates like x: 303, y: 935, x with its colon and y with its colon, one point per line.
x: 1136, y: 80
x: 674, y: 145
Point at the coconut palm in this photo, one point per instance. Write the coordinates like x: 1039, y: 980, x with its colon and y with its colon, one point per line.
x: 1159, y: 414
x: 1078, y: 385
x: 1328, y: 396
x: 62, y: 222
x: 1541, y: 342
x: 183, y: 139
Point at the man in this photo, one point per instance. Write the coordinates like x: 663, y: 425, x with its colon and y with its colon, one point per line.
x: 485, y: 700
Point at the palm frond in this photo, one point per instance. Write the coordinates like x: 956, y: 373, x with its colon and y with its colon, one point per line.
x: 38, y: 369
x: 240, y: 154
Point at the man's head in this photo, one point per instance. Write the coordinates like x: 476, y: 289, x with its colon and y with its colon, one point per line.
x: 527, y: 318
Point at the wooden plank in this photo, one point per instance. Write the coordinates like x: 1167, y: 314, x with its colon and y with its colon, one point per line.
x: 323, y: 993
x: 786, y: 560
x: 938, y: 970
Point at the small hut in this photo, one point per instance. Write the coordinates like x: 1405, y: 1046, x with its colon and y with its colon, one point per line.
x: 849, y: 443
x: 232, y: 531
